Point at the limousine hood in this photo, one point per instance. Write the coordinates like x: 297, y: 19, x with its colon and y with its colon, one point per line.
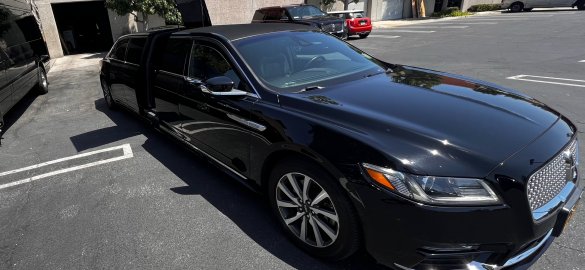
x: 429, y: 122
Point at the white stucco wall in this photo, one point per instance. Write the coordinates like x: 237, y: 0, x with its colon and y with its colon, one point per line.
x: 239, y: 11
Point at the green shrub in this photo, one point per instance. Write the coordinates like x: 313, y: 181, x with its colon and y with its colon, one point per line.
x: 484, y: 7
x: 451, y: 12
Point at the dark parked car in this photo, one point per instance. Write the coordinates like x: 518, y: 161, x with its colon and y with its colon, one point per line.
x: 424, y: 169
x: 22, y: 52
x: 302, y: 14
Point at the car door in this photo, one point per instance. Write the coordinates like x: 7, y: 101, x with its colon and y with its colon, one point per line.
x: 117, y: 66
x: 130, y: 72
x: 219, y: 125
x: 169, y: 77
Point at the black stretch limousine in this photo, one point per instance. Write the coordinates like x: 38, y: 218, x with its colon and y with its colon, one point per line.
x: 426, y: 170
x: 22, y: 55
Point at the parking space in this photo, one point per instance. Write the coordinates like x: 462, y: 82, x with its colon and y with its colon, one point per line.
x: 83, y: 187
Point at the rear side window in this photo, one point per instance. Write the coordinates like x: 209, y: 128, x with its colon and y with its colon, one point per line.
x: 270, y: 15
x: 135, y: 48
x: 174, y: 55
x: 119, y: 52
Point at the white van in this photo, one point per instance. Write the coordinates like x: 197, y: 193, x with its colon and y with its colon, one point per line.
x: 528, y: 5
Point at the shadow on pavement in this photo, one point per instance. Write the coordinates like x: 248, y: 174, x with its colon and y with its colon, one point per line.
x: 248, y: 210
x: 18, y: 110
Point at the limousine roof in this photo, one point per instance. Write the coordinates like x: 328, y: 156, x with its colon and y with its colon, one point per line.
x: 238, y: 31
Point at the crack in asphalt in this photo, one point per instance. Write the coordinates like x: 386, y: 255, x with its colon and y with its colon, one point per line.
x: 571, y: 248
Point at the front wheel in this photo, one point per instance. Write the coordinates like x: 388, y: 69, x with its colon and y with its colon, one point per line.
x: 581, y: 7
x: 313, y: 210
x: 108, y: 95
x: 43, y: 84
x: 516, y: 7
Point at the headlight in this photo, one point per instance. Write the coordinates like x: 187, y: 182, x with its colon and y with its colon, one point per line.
x: 433, y: 189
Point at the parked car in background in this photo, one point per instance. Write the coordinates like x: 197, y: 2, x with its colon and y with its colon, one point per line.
x: 22, y: 55
x: 355, y: 22
x: 528, y: 5
x: 302, y: 14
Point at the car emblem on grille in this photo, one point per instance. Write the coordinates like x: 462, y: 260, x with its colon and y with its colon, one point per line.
x: 570, y: 161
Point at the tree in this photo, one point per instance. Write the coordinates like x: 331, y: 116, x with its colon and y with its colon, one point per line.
x: 345, y: 3
x: 167, y: 9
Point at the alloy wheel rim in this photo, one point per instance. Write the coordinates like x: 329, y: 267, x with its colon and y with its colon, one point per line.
x: 307, y: 210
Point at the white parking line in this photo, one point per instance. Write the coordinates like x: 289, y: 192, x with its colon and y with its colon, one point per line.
x: 425, y: 27
x: 404, y: 31
x: 513, y: 16
x: 464, y: 23
x: 496, y: 19
x: 383, y: 36
x: 549, y: 80
x: 127, y: 154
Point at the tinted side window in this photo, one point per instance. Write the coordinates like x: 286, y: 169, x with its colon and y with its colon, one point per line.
x: 207, y: 62
x: 258, y: 15
x: 174, y: 55
x: 135, y: 48
x: 119, y: 52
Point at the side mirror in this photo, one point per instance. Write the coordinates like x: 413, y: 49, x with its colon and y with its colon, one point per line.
x: 220, y: 84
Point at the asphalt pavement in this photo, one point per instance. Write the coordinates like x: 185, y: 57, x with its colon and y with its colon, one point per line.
x: 108, y: 192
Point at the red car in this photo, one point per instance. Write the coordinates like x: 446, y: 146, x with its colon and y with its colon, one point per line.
x: 356, y: 22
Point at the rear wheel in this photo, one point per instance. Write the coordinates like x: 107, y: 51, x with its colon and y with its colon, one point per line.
x: 364, y: 35
x: 43, y: 85
x: 314, y: 211
x: 108, y: 95
x: 516, y: 7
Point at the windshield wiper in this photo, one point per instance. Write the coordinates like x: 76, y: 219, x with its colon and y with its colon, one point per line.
x: 309, y: 88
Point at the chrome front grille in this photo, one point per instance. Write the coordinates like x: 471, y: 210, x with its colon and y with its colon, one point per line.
x: 549, y: 180
x: 333, y: 27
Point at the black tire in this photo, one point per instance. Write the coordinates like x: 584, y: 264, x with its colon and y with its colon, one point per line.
x: 347, y: 229
x: 581, y: 7
x: 108, y: 95
x: 527, y: 9
x: 43, y: 84
x: 364, y: 35
x: 516, y: 7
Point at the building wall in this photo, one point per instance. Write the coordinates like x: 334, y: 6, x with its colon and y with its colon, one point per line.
x: 429, y: 8
x: 240, y: 11
x: 338, y: 5
x: 126, y: 24
x: 468, y: 3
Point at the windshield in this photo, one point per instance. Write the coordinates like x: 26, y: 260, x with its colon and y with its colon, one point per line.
x: 304, y: 12
x: 292, y: 61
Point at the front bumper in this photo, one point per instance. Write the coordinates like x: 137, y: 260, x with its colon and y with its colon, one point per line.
x: 405, y: 234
